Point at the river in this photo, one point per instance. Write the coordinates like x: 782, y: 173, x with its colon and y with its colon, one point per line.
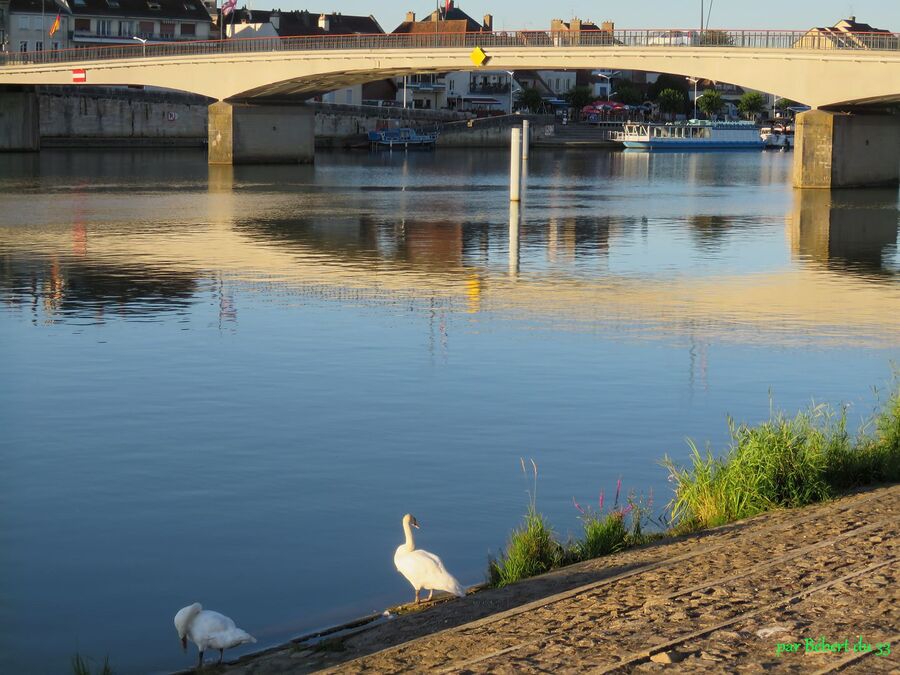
x: 227, y: 385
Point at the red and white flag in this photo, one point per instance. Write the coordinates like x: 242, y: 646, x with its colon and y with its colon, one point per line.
x: 228, y: 7
x: 79, y: 76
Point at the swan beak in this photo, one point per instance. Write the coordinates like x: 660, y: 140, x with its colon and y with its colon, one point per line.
x: 415, y: 523
x: 184, y: 643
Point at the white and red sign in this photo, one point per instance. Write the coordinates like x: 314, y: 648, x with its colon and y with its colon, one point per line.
x: 79, y: 76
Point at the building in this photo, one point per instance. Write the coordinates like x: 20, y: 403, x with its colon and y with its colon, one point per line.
x: 4, y: 26
x: 845, y: 34
x: 28, y: 25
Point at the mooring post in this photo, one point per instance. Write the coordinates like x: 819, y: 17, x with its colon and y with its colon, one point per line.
x: 515, y: 164
x: 514, y: 239
x: 526, y: 137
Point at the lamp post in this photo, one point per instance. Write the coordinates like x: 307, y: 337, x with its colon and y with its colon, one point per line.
x: 143, y: 44
x: 608, y: 79
x: 695, y: 80
x: 511, y: 74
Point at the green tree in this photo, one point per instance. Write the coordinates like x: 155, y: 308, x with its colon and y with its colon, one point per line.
x: 671, y: 101
x: 785, y: 103
x: 751, y: 104
x: 666, y: 81
x: 578, y: 97
x: 710, y: 103
x: 718, y: 38
x: 625, y: 92
x: 531, y: 100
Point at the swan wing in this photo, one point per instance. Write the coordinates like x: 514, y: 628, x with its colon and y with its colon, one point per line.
x: 426, y: 570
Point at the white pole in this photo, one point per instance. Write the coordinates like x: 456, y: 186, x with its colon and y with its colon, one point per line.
x: 513, y: 239
x: 526, y: 135
x: 404, y: 93
x: 515, y: 164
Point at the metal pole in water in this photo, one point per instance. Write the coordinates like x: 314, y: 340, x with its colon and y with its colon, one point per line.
x: 526, y: 135
x: 515, y: 164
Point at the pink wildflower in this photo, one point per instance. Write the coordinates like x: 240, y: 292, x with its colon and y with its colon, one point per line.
x: 618, y: 489
x: 577, y: 505
x: 627, y: 510
x: 601, y: 501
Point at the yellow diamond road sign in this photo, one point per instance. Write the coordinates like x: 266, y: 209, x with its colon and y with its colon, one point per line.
x: 478, y: 56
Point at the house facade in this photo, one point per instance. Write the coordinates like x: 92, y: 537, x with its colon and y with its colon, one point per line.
x: 28, y: 25
x: 845, y: 34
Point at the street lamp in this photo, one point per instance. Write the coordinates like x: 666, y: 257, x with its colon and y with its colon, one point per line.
x: 695, y: 80
x: 143, y: 44
x: 608, y: 79
x: 512, y: 78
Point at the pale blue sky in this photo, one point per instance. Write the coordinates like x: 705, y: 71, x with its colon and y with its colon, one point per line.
x: 510, y: 14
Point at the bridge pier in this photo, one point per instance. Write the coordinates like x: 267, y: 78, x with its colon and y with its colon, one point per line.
x: 242, y: 133
x: 20, y: 123
x: 841, y: 150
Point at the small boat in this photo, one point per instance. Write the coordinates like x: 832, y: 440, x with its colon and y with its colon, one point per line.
x: 403, y: 137
x: 777, y: 136
x: 691, y: 135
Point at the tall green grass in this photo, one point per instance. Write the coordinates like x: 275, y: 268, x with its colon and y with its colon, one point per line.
x: 80, y: 666
x: 784, y: 462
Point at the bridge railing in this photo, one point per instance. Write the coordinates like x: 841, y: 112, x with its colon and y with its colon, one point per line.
x: 746, y: 39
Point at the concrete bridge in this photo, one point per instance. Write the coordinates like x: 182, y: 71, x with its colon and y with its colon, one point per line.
x: 852, y: 84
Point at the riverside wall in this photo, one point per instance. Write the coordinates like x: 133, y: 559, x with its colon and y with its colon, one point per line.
x: 115, y: 116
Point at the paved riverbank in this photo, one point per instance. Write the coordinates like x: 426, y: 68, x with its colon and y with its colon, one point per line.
x: 721, y: 600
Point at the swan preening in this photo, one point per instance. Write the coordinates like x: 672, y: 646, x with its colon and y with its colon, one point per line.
x: 421, y: 568
x: 208, y: 630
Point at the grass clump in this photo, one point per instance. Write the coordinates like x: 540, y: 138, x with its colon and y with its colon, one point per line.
x: 606, y: 533
x: 532, y: 550
x: 80, y: 666
x: 784, y: 462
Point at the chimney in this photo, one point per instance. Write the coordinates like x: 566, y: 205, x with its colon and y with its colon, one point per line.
x: 323, y: 22
x: 608, y: 26
x: 852, y: 19
x: 488, y: 22
x: 275, y: 20
x: 411, y: 17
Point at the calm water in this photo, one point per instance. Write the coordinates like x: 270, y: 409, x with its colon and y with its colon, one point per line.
x: 228, y: 385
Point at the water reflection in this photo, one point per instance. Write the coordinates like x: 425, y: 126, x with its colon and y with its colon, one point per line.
x: 852, y: 231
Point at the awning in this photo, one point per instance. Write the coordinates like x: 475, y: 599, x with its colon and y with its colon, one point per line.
x: 481, y: 100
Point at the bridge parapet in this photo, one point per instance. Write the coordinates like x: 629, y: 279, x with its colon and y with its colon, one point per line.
x: 638, y: 38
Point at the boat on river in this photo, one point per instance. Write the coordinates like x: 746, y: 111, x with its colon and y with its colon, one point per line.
x: 404, y: 137
x: 777, y: 136
x: 691, y: 135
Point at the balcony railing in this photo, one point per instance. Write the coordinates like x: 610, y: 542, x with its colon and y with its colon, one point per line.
x: 647, y: 38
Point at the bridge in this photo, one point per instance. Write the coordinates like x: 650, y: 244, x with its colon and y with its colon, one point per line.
x: 852, y: 83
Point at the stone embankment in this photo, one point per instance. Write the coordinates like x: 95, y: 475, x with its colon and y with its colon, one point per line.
x: 766, y: 594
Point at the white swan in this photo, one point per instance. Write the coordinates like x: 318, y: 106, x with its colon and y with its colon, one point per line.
x: 208, y: 629
x: 423, y: 569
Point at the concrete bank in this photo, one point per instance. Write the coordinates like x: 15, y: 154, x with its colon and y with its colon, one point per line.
x: 765, y: 594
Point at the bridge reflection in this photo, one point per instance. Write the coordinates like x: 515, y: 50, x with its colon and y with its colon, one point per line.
x: 548, y: 264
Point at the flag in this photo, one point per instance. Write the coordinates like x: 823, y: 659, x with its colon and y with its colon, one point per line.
x: 55, y: 26
x: 228, y: 7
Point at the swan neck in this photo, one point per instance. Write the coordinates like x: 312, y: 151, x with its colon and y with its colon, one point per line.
x: 410, y: 544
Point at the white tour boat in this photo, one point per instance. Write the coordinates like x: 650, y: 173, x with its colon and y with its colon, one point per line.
x: 694, y: 134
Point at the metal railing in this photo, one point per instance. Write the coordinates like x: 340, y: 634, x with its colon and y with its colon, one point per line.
x: 645, y: 38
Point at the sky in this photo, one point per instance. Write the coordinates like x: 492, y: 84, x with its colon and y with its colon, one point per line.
x: 512, y: 14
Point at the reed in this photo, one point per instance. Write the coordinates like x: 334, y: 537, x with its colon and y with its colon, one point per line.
x: 784, y: 462
x: 80, y: 666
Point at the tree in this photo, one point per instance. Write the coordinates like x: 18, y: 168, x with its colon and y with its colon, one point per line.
x: 627, y: 93
x: 718, y: 38
x: 666, y: 81
x: 710, y: 103
x: 785, y: 103
x: 578, y: 97
x: 531, y: 100
x: 751, y: 104
x: 671, y: 101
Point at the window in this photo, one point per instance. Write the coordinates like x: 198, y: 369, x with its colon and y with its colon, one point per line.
x: 23, y: 46
x: 145, y: 28
x: 126, y: 29
x: 23, y: 23
x: 104, y: 27
x: 55, y: 46
x: 83, y: 25
x: 36, y: 23
x: 167, y: 29
x: 79, y: 3
x: 188, y: 29
x: 112, y: 4
x: 39, y: 46
x: 152, y: 5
